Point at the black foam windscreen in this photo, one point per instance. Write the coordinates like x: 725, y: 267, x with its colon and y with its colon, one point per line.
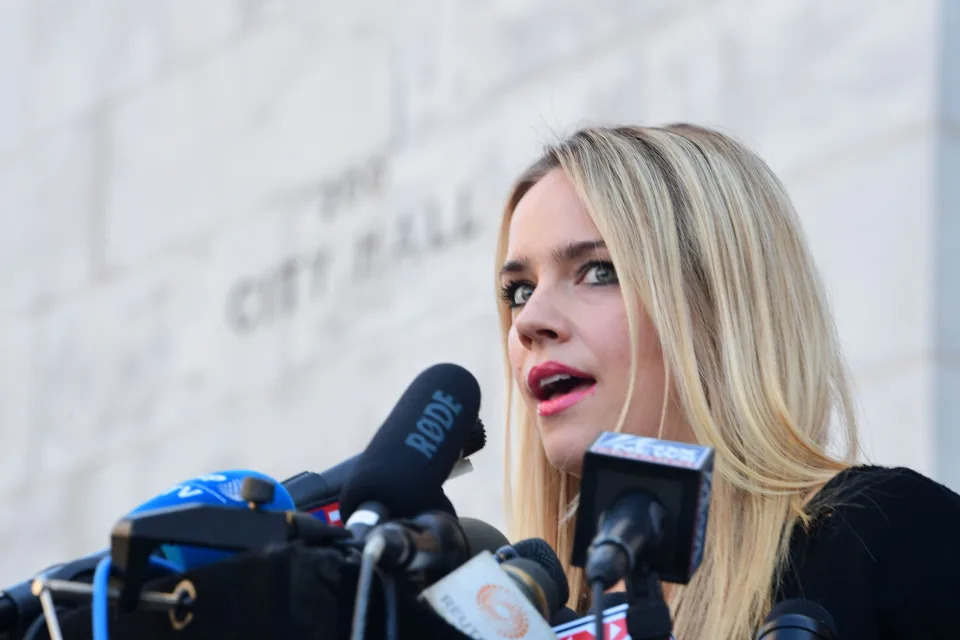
x: 539, y: 551
x: 799, y: 617
x: 409, y: 458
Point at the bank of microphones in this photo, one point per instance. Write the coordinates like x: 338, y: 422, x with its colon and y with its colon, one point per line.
x: 373, y: 548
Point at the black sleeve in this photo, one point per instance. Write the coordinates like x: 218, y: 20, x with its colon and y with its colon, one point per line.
x: 882, y: 556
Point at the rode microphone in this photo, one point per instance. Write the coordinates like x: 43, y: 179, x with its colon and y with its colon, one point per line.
x: 401, y: 471
x: 319, y: 493
x: 643, y: 506
x: 798, y: 619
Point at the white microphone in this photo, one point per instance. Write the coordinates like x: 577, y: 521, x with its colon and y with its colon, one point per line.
x: 483, y: 601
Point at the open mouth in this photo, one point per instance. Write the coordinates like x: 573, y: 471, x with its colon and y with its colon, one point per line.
x: 560, y: 391
x: 560, y: 384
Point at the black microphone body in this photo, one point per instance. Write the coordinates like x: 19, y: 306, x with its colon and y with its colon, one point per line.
x: 628, y: 529
x: 642, y: 517
x: 643, y: 499
x: 433, y: 541
x: 419, y: 443
x: 798, y: 619
x: 311, y: 490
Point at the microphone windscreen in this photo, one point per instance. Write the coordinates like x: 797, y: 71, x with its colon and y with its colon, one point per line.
x: 542, y: 553
x: 221, y: 488
x: 783, y: 611
x: 409, y: 458
x: 536, y: 572
x: 482, y: 536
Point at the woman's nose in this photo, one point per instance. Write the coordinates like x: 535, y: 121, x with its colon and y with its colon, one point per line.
x: 541, y: 319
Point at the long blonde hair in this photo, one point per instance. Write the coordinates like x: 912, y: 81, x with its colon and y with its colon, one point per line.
x: 703, y: 236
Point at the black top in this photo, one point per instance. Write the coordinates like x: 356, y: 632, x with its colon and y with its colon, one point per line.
x: 881, y: 556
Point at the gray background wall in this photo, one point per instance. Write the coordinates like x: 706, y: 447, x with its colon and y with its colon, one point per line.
x: 232, y: 231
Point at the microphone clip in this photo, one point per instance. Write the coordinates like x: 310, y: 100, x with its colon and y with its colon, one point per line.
x: 431, y: 544
x: 136, y: 537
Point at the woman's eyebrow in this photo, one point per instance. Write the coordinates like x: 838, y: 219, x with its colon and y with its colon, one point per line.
x: 564, y: 253
x: 514, y: 266
x: 575, y: 250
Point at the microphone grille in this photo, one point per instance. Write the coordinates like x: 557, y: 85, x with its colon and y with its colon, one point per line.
x: 539, y: 551
x: 807, y: 608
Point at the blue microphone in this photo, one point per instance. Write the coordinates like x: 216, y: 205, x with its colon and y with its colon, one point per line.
x: 19, y: 607
x: 221, y: 488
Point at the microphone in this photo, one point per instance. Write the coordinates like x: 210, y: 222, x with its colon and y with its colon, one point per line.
x: 486, y: 599
x: 482, y: 536
x: 798, y: 619
x: 643, y: 507
x: 223, y: 488
x: 319, y: 493
x: 537, y: 571
x: 430, y: 542
x: 19, y: 606
x: 531, y: 563
x: 419, y: 443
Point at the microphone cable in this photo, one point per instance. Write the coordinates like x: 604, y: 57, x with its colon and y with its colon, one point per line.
x: 390, y: 602
x: 100, y: 603
x: 100, y: 608
x: 372, y: 551
x: 597, y: 606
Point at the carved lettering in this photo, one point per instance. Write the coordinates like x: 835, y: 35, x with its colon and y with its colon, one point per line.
x: 420, y: 229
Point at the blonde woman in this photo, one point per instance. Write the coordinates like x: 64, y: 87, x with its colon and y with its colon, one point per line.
x: 656, y: 281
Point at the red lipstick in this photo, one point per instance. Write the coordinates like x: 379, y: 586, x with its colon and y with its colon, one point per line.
x: 557, y: 386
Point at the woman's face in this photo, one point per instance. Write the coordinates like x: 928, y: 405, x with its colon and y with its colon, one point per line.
x: 569, y: 344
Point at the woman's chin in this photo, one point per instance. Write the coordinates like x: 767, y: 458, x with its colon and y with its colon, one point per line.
x: 565, y: 448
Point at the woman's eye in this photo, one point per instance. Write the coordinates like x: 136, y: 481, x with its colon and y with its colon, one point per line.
x: 521, y: 293
x: 600, y: 273
x: 516, y: 294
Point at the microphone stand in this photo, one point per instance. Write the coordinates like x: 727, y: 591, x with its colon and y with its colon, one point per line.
x: 648, y: 616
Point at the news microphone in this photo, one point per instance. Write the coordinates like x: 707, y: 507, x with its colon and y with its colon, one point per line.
x: 20, y: 607
x: 532, y: 564
x: 318, y: 492
x: 798, y: 619
x: 223, y: 488
x: 538, y: 571
x: 402, y: 470
x: 643, y: 506
x: 486, y: 599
